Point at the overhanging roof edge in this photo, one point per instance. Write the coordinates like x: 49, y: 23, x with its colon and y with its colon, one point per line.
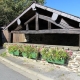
x: 59, y: 12
x: 19, y: 16
x: 48, y: 9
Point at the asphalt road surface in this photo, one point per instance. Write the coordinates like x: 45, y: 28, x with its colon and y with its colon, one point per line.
x: 9, y: 74
x: 2, y: 50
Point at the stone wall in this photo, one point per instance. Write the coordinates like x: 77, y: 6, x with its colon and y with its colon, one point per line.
x: 74, y: 62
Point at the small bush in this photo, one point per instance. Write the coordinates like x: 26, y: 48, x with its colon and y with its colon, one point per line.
x: 54, y: 54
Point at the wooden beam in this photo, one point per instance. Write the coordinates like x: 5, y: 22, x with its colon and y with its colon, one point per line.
x: 30, y: 19
x: 79, y: 40
x: 27, y: 27
x: 59, y: 13
x: 37, y: 16
x: 79, y: 24
x: 50, y: 20
x: 65, y: 24
x: 18, y: 27
x: 37, y: 21
x: 52, y: 31
x: 9, y: 38
x: 49, y: 25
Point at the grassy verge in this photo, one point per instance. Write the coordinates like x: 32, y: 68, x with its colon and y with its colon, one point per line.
x: 3, y: 54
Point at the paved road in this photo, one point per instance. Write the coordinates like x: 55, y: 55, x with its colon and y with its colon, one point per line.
x: 2, y: 50
x: 8, y: 74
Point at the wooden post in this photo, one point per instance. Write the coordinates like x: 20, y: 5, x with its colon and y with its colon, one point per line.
x: 10, y: 38
x: 27, y: 28
x: 49, y: 25
x: 79, y: 40
x: 37, y: 21
x: 32, y: 18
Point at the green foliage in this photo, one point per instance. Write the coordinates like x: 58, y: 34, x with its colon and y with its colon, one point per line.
x: 3, y: 54
x: 45, y: 53
x: 13, y: 48
x: 10, y: 9
x: 28, y: 50
x: 51, y: 55
x: 54, y: 54
x: 60, y: 55
x: 4, y: 45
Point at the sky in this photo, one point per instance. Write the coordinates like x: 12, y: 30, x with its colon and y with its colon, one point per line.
x: 68, y: 6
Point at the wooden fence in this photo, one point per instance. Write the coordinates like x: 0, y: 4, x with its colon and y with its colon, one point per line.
x: 16, y: 37
x: 19, y: 38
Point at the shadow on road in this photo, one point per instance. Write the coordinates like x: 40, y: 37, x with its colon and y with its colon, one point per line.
x: 2, y: 49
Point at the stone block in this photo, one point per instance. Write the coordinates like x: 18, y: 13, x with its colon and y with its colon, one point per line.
x: 77, y: 58
x: 75, y: 70
x: 79, y: 69
x: 70, y: 67
x: 74, y: 66
x: 71, y: 62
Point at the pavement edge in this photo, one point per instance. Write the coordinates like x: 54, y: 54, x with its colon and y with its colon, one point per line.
x: 25, y: 69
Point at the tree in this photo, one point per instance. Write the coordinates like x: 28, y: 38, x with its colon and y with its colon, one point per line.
x: 10, y: 9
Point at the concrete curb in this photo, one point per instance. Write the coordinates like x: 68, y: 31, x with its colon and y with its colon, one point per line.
x: 25, y: 69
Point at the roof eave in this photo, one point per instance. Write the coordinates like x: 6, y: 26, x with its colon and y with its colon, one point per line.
x: 59, y: 12
x: 19, y: 16
x: 48, y: 9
